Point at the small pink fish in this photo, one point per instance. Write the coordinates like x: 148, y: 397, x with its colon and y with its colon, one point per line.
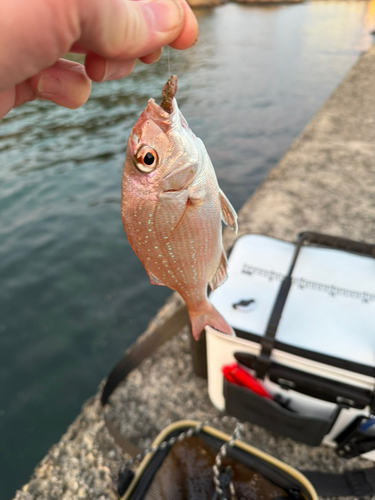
x: 172, y: 208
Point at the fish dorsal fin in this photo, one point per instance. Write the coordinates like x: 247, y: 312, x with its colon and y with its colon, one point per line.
x: 221, y: 273
x: 228, y: 213
x: 154, y: 280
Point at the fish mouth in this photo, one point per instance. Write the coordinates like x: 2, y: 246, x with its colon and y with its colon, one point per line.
x: 155, y: 110
x: 165, y: 115
x: 166, y: 111
x: 163, y: 119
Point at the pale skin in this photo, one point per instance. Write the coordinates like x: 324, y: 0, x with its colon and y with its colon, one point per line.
x: 112, y: 34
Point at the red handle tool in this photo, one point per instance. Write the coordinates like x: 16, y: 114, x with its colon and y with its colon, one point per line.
x: 236, y: 375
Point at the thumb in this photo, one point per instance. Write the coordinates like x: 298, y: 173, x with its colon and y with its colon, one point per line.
x: 125, y: 29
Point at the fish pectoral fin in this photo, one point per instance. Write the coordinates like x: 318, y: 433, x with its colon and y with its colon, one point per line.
x: 196, y: 196
x: 194, y: 199
x: 220, y: 274
x: 154, y: 280
x: 228, y: 213
x: 171, y: 209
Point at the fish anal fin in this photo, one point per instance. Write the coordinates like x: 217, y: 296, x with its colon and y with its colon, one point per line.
x: 228, y: 212
x: 154, y: 280
x: 221, y: 273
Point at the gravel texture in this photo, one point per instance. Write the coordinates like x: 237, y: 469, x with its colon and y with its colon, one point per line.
x: 82, y: 465
x: 325, y: 182
x: 140, y: 412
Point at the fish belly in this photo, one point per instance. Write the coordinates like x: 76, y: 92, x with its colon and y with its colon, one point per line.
x: 192, y: 256
x: 177, y: 241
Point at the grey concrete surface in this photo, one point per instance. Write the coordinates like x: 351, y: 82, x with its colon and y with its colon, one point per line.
x: 325, y: 182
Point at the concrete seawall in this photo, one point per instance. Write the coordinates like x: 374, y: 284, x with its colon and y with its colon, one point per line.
x: 325, y: 182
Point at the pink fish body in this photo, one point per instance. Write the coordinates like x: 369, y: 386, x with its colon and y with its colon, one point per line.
x: 172, y: 208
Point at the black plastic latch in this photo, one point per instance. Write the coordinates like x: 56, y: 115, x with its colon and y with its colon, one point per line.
x: 357, y: 438
x: 262, y: 363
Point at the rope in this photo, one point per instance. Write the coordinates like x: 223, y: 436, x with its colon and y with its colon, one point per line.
x: 189, y: 433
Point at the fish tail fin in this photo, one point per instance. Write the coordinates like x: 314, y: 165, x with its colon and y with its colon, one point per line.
x: 209, y: 317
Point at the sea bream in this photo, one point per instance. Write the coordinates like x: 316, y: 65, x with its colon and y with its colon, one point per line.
x: 172, y: 208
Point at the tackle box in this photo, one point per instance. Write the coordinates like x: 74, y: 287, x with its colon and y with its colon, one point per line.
x: 304, y: 320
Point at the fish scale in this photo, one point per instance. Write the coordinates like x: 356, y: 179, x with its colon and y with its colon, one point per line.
x: 172, y: 208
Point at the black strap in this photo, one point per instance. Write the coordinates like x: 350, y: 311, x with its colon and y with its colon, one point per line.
x: 267, y: 342
x: 326, y: 240
x: 357, y: 483
x: 142, y: 349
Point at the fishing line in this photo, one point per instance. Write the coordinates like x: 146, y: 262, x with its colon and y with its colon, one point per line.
x: 169, y: 61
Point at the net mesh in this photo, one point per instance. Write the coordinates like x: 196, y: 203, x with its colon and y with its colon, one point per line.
x: 186, y: 474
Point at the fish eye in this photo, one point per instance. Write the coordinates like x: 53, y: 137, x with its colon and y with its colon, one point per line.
x: 146, y: 159
x: 149, y: 159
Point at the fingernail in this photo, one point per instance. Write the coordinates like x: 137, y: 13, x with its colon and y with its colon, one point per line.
x: 106, y: 71
x: 49, y: 85
x: 167, y: 14
x: 157, y: 56
x: 152, y: 58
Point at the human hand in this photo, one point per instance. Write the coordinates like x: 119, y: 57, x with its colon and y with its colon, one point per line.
x: 112, y: 33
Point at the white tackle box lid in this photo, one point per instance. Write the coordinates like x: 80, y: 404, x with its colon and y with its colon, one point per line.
x: 329, y: 315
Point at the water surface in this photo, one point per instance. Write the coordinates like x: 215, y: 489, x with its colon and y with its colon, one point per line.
x: 73, y: 295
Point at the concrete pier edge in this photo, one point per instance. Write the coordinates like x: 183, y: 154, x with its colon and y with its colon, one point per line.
x: 325, y: 182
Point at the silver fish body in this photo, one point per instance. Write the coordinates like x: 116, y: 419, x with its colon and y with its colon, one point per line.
x: 172, y: 209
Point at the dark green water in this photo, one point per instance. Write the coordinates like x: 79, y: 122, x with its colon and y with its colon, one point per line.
x: 73, y: 296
